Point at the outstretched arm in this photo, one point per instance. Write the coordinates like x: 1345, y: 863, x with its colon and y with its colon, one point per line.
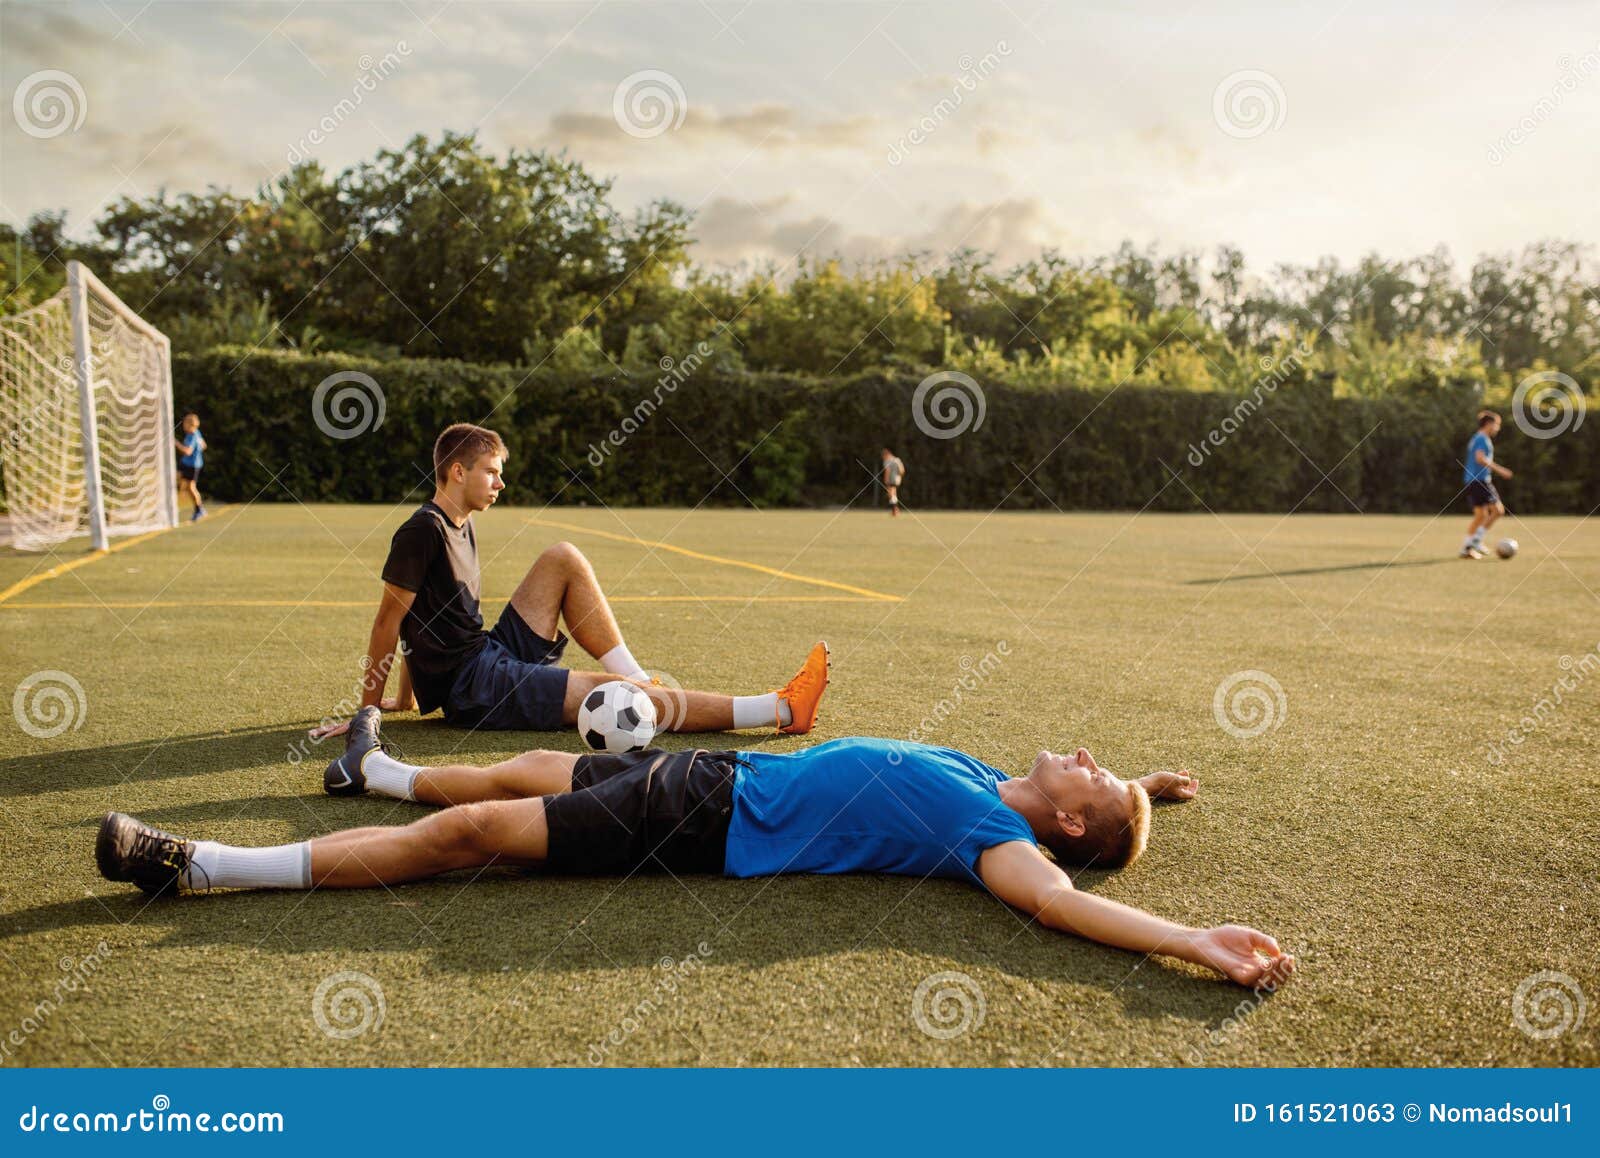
x: 1018, y: 873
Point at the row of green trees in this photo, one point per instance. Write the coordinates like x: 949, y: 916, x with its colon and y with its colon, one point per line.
x: 443, y: 250
x: 702, y: 434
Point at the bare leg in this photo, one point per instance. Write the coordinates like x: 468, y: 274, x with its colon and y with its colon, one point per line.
x: 536, y: 773
x: 562, y: 586
x: 510, y: 832
x: 676, y: 710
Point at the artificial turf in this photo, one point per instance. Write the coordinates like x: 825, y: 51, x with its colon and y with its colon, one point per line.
x: 1419, y: 881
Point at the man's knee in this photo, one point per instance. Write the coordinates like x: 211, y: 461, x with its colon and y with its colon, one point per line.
x: 462, y: 831
x: 509, y: 774
x: 563, y: 555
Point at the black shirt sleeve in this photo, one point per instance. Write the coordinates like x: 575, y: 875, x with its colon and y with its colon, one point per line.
x: 411, y: 552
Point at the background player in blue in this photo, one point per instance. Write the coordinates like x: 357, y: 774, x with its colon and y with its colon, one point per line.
x: 894, y: 473
x: 855, y: 805
x: 1481, y: 495
x: 191, y: 450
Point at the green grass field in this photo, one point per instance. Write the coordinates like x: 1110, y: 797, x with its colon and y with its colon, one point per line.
x: 1419, y: 882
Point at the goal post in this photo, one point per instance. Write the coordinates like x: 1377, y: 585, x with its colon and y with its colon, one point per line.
x: 86, y: 402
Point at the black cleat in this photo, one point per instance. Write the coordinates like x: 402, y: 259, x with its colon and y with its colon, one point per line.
x: 127, y: 849
x: 343, y: 776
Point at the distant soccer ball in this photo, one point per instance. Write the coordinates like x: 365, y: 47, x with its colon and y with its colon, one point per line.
x: 1506, y: 548
x: 617, y: 717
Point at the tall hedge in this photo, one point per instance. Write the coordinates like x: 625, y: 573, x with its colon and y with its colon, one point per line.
x: 779, y: 440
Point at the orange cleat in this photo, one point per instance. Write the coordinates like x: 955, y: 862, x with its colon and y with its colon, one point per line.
x: 803, y: 694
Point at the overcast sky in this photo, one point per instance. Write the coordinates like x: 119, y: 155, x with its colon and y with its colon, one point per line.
x: 1292, y: 130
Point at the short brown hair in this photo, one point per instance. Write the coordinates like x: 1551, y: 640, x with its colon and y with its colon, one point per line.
x: 1485, y: 417
x: 1108, y: 841
x: 463, y: 443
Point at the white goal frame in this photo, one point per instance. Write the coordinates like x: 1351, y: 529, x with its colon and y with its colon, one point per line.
x: 81, y: 283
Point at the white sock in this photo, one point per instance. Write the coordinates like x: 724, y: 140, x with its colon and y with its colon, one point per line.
x: 222, y: 866
x: 761, y: 711
x: 388, y: 777
x: 619, y: 661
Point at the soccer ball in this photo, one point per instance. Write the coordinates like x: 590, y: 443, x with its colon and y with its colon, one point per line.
x: 1506, y: 548
x: 617, y: 717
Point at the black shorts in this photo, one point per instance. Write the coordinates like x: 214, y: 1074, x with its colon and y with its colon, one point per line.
x: 513, y: 683
x: 189, y: 472
x: 1481, y: 494
x: 649, y: 811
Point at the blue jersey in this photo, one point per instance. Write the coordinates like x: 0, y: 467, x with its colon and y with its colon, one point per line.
x: 867, y: 805
x: 1476, y: 471
x: 193, y: 455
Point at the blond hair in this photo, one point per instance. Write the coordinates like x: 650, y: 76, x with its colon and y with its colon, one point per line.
x: 1108, y: 841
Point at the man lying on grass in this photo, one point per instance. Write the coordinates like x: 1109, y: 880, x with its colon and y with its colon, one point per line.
x: 851, y: 805
x: 511, y: 676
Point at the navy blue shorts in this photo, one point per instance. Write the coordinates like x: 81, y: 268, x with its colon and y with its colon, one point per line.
x: 189, y: 472
x: 513, y: 684
x: 1481, y: 494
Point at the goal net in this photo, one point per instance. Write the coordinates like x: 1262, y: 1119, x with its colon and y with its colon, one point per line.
x: 86, y: 408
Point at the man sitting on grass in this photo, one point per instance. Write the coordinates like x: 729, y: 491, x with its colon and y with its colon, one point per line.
x: 850, y: 805
x: 511, y: 677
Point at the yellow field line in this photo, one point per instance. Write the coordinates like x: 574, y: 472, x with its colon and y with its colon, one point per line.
x: 864, y: 592
x: 86, y: 604
x: 39, y: 577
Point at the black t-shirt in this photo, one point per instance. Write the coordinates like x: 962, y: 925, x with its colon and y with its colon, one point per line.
x: 438, y: 560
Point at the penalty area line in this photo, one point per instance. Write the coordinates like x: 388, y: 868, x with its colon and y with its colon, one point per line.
x: 39, y: 577
x: 863, y: 592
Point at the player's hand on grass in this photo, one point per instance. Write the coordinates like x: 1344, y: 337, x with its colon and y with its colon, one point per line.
x: 340, y: 727
x: 330, y: 728
x: 1171, y: 785
x: 1243, y: 955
